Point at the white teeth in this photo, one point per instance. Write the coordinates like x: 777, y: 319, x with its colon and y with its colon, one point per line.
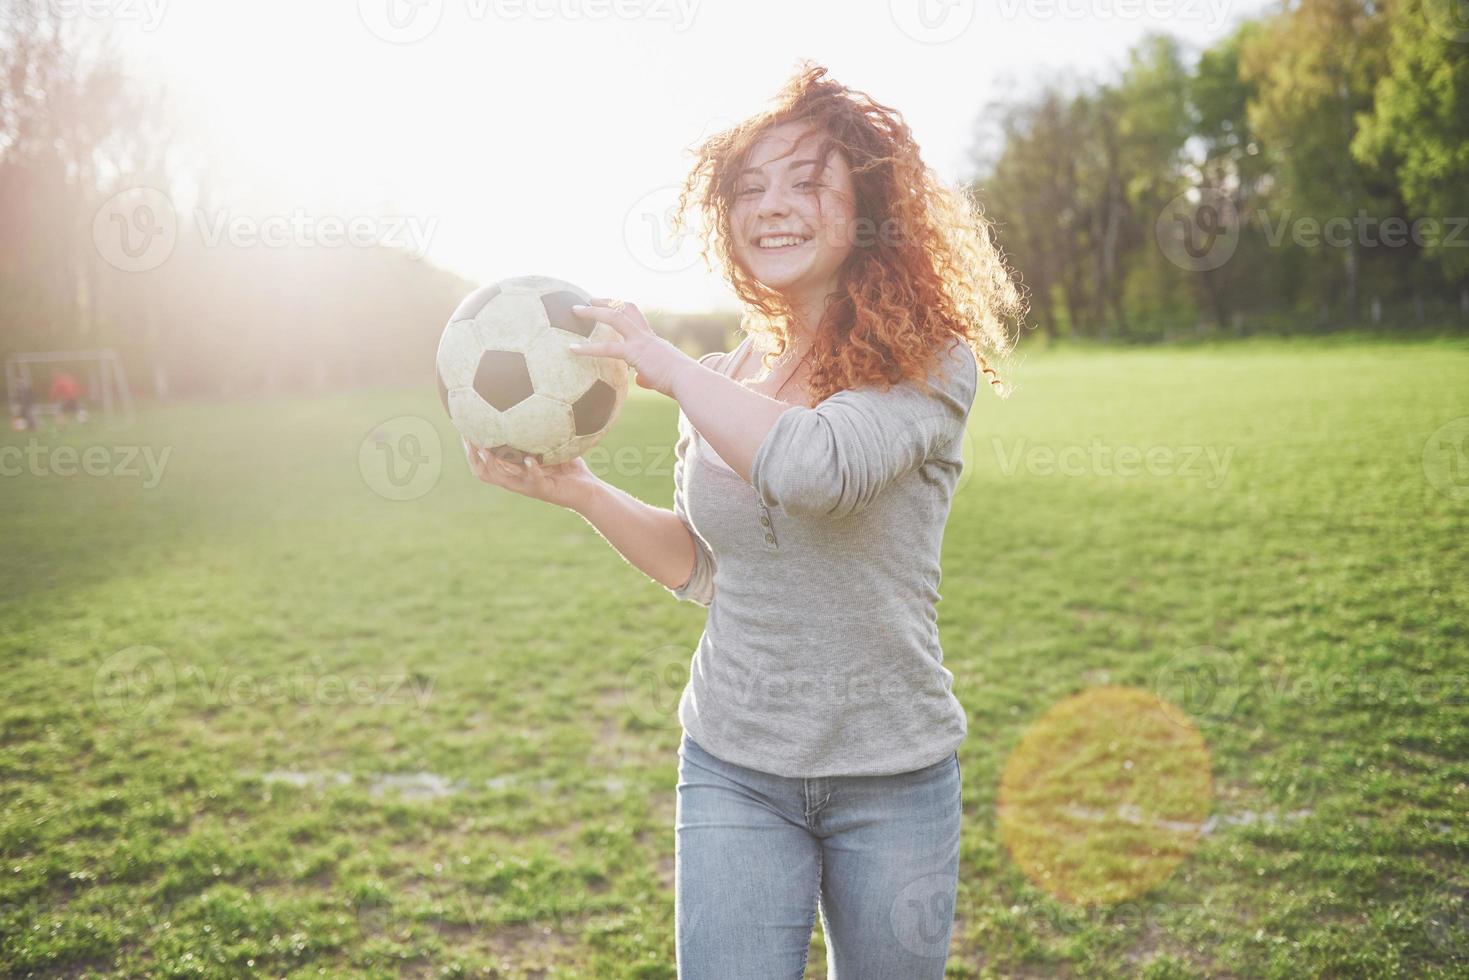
x: 780, y: 241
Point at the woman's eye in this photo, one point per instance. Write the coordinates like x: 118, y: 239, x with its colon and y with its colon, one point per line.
x: 750, y: 190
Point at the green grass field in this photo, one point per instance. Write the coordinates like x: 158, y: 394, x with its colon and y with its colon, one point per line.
x: 211, y: 680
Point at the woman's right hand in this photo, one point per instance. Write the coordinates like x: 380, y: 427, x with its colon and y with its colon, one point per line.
x: 568, y: 484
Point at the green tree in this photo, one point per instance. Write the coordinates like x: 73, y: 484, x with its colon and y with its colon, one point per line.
x: 1314, y: 66
x: 1419, y: 126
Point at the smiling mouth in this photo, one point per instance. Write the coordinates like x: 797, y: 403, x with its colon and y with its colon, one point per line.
x: 781, y: 243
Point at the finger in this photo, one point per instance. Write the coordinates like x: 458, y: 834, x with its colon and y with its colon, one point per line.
x: 615, y: 304
x: 509, y: 467
x: 483, y: 470
x: 616, y: 319
x: 602, y: 348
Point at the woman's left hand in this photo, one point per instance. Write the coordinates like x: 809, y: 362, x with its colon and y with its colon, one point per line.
x: 656, y: 361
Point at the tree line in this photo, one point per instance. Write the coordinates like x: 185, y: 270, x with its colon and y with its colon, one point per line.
x: 1308, y: 172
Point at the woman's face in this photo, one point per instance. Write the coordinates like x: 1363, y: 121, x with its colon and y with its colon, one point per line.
x: 792, y: 214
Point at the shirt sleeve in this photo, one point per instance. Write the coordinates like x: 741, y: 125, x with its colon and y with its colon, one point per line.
x: 834, y: 459
x: 700, y: 586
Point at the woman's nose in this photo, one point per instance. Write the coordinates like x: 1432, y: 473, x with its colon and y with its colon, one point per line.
x: 772, y: 203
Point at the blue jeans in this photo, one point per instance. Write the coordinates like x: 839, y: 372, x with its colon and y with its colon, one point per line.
x: 755, y: 853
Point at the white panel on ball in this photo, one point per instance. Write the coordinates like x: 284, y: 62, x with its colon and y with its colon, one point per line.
x: 508, y: 348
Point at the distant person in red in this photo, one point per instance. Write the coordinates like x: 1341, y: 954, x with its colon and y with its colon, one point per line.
x: 66, y: 393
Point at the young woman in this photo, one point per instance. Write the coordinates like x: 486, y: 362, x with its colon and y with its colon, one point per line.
x: 818, y: 767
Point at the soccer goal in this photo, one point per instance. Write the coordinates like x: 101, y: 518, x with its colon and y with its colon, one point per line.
x: 106, y: 386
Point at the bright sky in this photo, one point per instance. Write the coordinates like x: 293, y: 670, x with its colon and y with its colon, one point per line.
x: 541, y: 136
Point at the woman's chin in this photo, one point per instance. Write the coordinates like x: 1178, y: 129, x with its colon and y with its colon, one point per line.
x: 780, y: 279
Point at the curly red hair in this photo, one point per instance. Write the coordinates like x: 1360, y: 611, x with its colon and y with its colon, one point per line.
x: 933, y: 271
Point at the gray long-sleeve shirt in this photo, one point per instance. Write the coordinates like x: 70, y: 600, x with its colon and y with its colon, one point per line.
x: 820, y: 655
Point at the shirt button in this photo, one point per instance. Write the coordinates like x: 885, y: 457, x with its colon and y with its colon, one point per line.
x: 765, y: 519
x: 770, y: 538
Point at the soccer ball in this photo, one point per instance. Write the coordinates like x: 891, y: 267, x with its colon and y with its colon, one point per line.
x: 508, y: 381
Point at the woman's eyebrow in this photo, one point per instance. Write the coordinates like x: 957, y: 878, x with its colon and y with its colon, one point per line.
x: 793, y: 166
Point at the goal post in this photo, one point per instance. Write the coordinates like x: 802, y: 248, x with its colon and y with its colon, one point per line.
x: 106, y: 382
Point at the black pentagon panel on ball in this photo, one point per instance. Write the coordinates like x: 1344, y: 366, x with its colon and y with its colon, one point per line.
x: 558, y: 313
x: 502, y: 379
x: 470, y: 306
x: 593, y: 409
